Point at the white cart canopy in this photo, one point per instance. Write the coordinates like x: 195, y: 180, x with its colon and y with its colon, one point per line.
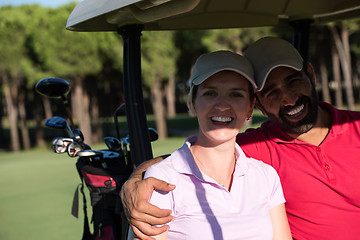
x: 109, y: 15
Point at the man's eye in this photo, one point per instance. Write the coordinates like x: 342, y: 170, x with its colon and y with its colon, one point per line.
x: 294, y: 81
x: 273, y: 94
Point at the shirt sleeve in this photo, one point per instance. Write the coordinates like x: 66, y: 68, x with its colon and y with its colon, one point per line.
x: 161, y: 199
x: 254, y: 144
x: 276, y: 196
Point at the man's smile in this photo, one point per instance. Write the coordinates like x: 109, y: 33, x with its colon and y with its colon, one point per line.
x: 296, y: 112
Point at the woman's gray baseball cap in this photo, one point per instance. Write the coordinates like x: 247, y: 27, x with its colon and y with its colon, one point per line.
x: 210, y: 63
x: 269, y: 53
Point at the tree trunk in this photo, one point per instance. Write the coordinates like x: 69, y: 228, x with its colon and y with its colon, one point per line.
x: 95, y: 116
x: 159, y: 109
x: 38, y: 117
x: 81, y: 109
x: 170, y: 96
x: 356, y: 86
x: 22, y: 123
x: 2, y: 111
x: 47, y: 107
x: 348, y: 72
x: 342, y: 45
x: 337, y: 77
x: 12, y: 115
x: 324, y: 81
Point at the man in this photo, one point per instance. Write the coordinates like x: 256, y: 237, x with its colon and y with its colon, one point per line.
x: 313, y: 146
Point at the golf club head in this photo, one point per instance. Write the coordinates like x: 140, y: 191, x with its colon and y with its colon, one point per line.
x: 93, y: 157
x: 59, y: 123
x: 74, y: 148
x: 113, y: 144
x: 89, y: 153
x: 53, y: 87
x: 153, y: 134
x: 111, y: 155
x: 78, y: 136
x: 59, y: 144
x: 57, y: 88
x: 125, y: 141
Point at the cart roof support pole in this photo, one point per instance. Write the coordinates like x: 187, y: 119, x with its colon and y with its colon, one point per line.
x: 301, y: 36
x: 135, y: 111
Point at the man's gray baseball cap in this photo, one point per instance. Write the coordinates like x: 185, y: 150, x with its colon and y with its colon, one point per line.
x: 269, y: 53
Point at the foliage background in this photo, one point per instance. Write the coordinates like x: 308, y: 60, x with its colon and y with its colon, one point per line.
x: 38, y: 185
x: 34, y: 44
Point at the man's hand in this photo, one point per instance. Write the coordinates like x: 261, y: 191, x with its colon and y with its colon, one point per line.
x: 135, y: 194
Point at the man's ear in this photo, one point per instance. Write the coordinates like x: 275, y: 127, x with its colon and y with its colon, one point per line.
x: 259, y: 106
x: 310, y: 73
x: 252, y: 105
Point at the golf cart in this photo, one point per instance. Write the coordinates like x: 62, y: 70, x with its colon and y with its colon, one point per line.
x: 130, y: 17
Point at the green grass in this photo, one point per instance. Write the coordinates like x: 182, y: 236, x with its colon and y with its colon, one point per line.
x: 36, y: 195
x: 167, y: 146
x: 37, y: 189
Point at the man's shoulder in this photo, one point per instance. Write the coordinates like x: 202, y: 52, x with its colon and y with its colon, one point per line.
x: 255, y: 133
x: 337, y: 111
x: 256, y: 142
x: 260, y: 165
x: 341, y: 118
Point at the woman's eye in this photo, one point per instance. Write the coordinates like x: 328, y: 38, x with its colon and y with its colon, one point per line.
x: 209, y: 93
x: 237, y: 94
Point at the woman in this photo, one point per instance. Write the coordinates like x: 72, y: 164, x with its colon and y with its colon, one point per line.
x: 220, y: 193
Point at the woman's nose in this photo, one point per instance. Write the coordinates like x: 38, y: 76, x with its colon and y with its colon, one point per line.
x: 222, y: 103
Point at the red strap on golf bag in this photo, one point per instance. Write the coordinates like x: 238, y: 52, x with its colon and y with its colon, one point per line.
x: 104, y: 186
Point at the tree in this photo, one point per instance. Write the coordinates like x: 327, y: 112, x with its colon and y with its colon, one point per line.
x: 337, y: 76
x: 190, y: 45
x: 159, y: 57
x: 354, y: 26
x: 107, y: 82
x: 341, y: 41
x: 13, y: 54
x: 233, y: 39
x: 320, y: 56
x: 72, y: 56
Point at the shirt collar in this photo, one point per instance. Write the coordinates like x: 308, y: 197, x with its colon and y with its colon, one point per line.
x: 184, y: 161
x: 339, y: 121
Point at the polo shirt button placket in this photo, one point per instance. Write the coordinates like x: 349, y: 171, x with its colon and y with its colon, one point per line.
x: 326, y: 166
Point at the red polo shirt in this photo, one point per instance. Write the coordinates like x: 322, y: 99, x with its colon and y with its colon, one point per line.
x: 321, y: 183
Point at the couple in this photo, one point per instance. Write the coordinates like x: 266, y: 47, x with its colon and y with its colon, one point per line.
x: 312, y: 146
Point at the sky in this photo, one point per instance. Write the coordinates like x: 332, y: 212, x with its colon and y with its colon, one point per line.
x: 44, y: 3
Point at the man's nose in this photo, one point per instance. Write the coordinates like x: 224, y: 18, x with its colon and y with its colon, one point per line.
x: 288, y: 98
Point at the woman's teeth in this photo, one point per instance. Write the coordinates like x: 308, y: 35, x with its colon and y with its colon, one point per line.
x: 221, y: 119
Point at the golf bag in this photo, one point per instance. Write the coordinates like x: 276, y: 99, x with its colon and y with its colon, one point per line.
x: 102, y: 171
x: 104, y: 185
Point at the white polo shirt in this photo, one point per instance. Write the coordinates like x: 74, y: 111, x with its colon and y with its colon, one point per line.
x: 203, y: 209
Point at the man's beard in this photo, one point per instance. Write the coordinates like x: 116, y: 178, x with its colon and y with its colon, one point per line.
x: 305, y: 124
